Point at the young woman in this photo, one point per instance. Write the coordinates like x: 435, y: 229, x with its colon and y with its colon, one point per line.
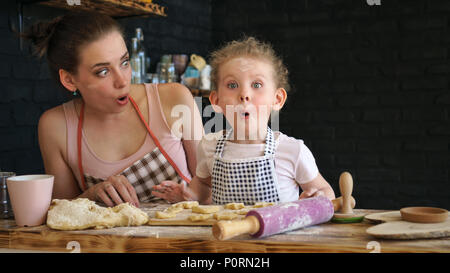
x: 113, y: 142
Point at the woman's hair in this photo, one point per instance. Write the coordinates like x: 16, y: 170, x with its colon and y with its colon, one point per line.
x: 249, y: 47
x: 62, y: 39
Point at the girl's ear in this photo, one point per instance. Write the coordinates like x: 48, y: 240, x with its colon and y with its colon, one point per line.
x: 67, y: 80
x: 214, y: 100
x: 280, y: 99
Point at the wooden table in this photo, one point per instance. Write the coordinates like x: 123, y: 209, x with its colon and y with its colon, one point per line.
x: 327, y: 237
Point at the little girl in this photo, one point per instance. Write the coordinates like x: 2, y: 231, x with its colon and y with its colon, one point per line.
x: 249, y: 163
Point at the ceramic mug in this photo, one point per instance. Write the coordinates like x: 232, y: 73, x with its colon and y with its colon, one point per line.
x: 30, y: 197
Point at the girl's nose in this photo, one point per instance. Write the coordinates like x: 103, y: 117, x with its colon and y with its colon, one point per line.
x: 244, y: 96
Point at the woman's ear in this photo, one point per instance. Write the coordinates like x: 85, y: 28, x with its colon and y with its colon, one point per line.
x: 67, y: 80
x: 280, y: 99
x: 214, y: 100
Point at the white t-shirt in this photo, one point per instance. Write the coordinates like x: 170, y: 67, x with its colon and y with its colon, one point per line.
x: 294, y: 162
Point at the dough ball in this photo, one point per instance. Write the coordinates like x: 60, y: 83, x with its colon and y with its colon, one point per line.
x: 234, y: 206
x: 199, y: 217
x: 206, y: 209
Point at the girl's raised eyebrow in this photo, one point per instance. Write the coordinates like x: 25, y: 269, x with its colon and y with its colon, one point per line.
x: 105, y: 64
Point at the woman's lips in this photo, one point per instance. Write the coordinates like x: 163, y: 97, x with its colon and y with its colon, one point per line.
x: 122, y: 100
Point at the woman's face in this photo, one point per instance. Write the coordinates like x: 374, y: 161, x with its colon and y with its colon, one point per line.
x: 104, y: 74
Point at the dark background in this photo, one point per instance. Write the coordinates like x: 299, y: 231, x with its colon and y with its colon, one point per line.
x: 369, y: 84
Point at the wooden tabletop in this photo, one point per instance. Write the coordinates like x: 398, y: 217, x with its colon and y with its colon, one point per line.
x: 328, y: 237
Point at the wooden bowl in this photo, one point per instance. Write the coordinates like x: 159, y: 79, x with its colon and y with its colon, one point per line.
x: 424, y: 214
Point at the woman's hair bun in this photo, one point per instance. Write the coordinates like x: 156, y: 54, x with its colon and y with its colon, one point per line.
x: 40, y: 34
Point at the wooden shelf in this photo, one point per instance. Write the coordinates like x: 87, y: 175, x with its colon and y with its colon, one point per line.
x: 114, y: 8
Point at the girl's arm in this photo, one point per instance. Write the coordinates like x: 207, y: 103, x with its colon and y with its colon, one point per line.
x: 317, y: 186
x: 199, y: 189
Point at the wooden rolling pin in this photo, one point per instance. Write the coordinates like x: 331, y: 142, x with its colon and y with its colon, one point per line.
x: 279, y: 218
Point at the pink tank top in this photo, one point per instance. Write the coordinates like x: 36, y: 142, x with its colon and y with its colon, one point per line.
x: 99, y: 168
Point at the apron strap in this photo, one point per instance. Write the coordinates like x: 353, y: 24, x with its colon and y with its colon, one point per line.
x: 270, y: 143
x: 155, y: 139
x: 79, y: 135
x: 268, y: 150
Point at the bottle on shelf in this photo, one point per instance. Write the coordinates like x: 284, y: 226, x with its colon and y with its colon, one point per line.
x: 145, y: 60
x: 135, y: 61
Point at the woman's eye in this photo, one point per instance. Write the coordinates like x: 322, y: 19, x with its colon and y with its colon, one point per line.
x: 102, y: 72
x: 232, y: 85
x: 257, y: 85
x: 126, y: 62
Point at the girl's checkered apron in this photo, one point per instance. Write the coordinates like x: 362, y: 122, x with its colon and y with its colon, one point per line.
x: 246, y: 180
x: 152, y: 169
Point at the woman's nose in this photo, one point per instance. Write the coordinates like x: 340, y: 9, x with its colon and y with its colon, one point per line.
x: 120, y: 80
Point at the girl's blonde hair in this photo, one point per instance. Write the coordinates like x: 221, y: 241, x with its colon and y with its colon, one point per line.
x: 249, y: 47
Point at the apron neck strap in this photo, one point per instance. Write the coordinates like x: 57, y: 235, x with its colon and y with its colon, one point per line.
x: 268, y: 150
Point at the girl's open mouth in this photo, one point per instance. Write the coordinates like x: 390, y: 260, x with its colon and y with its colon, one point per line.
x: 122, y: 100
x: 245, y: 115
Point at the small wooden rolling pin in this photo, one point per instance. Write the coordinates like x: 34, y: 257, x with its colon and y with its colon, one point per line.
x: 280, y: 218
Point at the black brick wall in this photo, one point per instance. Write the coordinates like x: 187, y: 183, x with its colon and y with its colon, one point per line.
x: 370, y: 85
x: 370, y: 89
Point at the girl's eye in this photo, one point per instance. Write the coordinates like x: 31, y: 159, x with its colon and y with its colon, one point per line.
x: 102, y: 72
x: 257, y: 85
x: 232, y: 85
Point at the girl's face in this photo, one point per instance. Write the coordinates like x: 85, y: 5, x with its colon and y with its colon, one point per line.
x: 247, y: 93
x: 104, y: 74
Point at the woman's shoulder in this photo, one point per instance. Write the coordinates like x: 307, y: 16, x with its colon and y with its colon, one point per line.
x: 172, y: 94
x: 53, y: 116
x: 52, y: 125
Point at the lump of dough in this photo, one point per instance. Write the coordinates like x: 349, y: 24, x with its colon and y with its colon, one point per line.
x: 165, y: 215
x: 206, y: 209
x: 242, y: 211
x: 174, y: 209
x: 234, y: 206
x: 83, y: 213
x: 186, y: 204
x: 199, y: 217
x: 263, y: 204
x: 189, y: 204
x: 225, y: 216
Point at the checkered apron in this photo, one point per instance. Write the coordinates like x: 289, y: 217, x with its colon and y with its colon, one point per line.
x: 245, y: 180
x: 152, y: 169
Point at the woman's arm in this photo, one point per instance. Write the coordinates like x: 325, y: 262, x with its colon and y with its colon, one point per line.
x: 52, y: 142
x: 183, y: 118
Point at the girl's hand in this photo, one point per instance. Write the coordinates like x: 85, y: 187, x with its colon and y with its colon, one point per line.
x: 114, y: 191
x: 171, y: 191
x: 313, y: 192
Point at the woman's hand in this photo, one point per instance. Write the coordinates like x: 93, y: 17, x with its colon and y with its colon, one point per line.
x: 114, y: 191
x: 171, y: 191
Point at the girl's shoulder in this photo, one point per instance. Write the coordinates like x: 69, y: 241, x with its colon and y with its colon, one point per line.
x: 288, y: 147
